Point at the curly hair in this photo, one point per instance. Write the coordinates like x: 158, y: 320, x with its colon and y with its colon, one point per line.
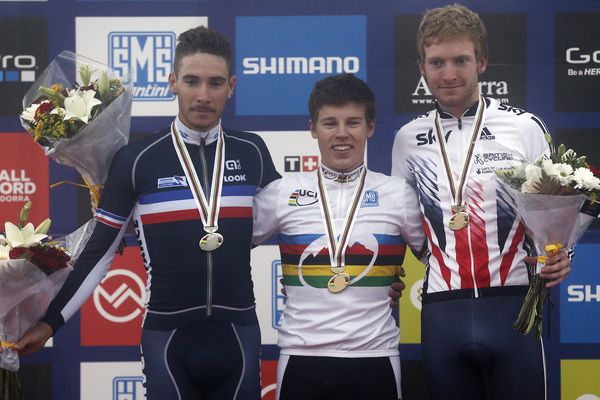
x: 451, y: 21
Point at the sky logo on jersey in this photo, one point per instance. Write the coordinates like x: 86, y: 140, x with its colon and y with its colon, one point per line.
x: 580, y: 298
x: 302, y: 197
x: 276, y: 56
x: 278, y: 298
x: 370, y: 199
x: 146, y: 57
x: 172, y: 181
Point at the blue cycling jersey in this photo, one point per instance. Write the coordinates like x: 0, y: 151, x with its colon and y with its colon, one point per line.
x: 147, y: 186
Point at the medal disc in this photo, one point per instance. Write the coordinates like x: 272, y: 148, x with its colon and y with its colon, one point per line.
x: 338, y: 282
x: 459, y: 221
x: 211, y: 241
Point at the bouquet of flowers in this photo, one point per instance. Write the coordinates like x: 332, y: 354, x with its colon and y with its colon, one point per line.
x: 32, y: 269
x: 557, y: 200
x: 79, y: 112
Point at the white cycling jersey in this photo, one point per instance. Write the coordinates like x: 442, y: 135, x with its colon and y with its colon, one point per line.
x: 357, y: 321
x: 489, y: 252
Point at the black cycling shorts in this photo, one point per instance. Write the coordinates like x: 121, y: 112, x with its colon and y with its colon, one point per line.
x: 213, y: 360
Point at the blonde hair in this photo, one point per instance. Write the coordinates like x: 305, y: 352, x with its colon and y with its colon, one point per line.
x: 451, y: 21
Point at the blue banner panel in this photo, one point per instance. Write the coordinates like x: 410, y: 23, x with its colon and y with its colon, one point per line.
x: 280, y: 58
x: 580, y: 298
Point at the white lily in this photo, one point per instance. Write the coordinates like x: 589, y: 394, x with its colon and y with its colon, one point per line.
x: 4, y: 251
x: 22, y: 237
x: 79, y: 105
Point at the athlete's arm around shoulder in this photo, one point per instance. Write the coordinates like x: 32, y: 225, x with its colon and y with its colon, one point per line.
x: 268, y: 172
x: 404, y: 145
x: 265, y: 212
x: 409, y: 213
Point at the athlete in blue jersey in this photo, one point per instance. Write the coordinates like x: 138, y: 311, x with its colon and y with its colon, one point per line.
x: 476, y: 270
x: 188, y: 192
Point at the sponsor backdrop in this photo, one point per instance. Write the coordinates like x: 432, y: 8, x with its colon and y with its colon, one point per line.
x: 545, y: 57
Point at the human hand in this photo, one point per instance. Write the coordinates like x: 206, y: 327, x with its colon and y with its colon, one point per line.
x: 396, y: 289
x: 34, y: 339
x: 282, y: 287
x: 556, y: 269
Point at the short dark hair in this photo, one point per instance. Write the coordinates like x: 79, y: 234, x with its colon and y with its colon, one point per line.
x: 202, y: 40
x: 338, y: 90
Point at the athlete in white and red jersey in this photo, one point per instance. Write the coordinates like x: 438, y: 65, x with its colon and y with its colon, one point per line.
x: 489, y: 252
x: 476, y: 275
x: 340, y: 232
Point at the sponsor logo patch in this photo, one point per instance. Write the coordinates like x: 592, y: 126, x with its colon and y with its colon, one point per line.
x: 172, y: 181
x: 303, y: 197
x: 370, y: 199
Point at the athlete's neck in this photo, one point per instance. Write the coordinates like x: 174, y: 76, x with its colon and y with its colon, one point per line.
x: 193, y: 136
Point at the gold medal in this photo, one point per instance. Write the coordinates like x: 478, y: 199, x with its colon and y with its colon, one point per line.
x: 459, y: 221
x: 338, y: 282
x: 211, y: 241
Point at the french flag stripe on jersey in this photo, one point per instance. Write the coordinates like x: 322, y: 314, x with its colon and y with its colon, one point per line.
x: 186, y: 194
x: 110, y: 219
x: 193, y: 214
x: 179, y: 205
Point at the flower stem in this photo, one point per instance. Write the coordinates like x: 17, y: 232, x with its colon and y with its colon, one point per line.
x: 10, y: 387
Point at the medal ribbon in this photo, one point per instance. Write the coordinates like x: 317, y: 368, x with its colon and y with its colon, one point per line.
x: 209, y: 211
x: 458, y: 193
x: 337, y: 245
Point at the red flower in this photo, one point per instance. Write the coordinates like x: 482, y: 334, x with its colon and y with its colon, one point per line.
x: 48, y: 259
x: 595, y: 170
x: 44, y: 108
x: 17, y: 252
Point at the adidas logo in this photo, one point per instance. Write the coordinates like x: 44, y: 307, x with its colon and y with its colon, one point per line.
x: 486, y: 135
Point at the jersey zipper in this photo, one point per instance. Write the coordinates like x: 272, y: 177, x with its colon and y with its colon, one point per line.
x: 209, y: 260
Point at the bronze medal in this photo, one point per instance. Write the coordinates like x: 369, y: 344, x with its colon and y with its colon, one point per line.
x: 338, y: 282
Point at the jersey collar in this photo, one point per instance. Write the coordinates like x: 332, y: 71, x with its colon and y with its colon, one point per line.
x: 470, y: 112
x: 192, y: 136
x: 342, y: 177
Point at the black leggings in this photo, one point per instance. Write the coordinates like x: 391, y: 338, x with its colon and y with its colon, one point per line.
x: 202, y: 361
x: 336, y: 378
x: 470, y: 348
